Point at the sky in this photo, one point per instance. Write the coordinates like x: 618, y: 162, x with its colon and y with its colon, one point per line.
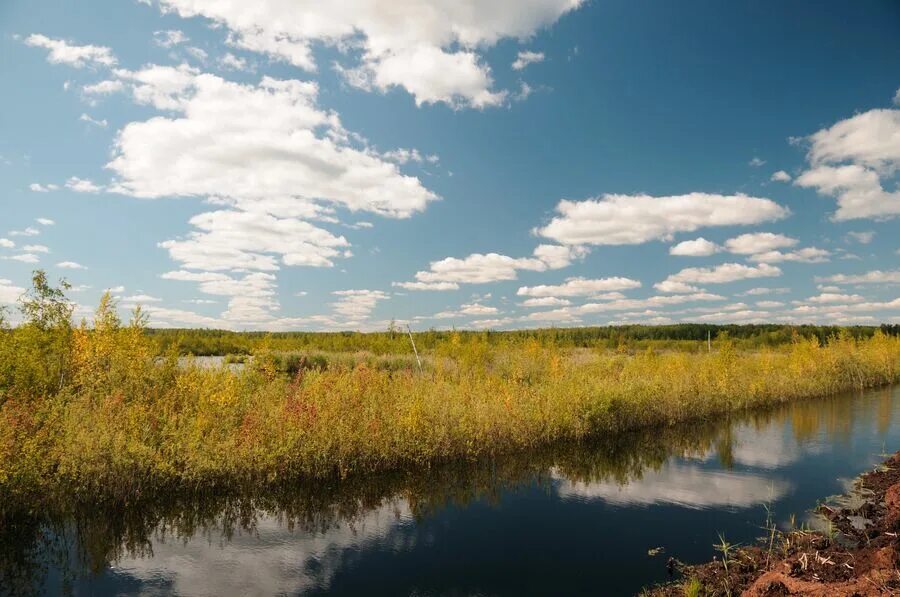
x: 298, y: 165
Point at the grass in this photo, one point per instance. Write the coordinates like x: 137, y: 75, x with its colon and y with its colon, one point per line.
x: 96, y: 410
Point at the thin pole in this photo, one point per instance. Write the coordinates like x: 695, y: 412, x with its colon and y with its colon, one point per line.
x: 413, y: 342
x: 708, y: 341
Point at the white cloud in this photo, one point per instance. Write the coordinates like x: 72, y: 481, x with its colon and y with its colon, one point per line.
x: 742, y: 316
x: 81, y: 185
x: 756, y: 162
x: 101, y: 123
x: 579, y: 287
x: 635, y: 219
x: 480, y: 268
x: 7, y: 244
x: 198, y: 53
x: 45, y: 221
x: 547, y: 301
x: 30, y: 231
x: 861, y: 237
x: 140, y: 298
x: 35, y: 249
x: 357, y: 305
x: 9, y: 293
x: 852, y: 160
x: 248, y: 240
x: 805, y: 255
x: 525, y: 57
x: 427, y: 285
x: 781, y: 176
x: 721, y: 274
x: 699, y: 247
x: 429, y: 48
x: 104, y: 87
x: 39, y: 188
x: 872, y: 277
x: 477, y: 309
x: 269, y: 138
x: 769, y: 304
x: 70, y: 265
x: 669, y: 286
x: 62, y: 52
x: 572, y: 313
x: 759, y: 242
x: 829, y: 298
x: 763, y: 291
x: 24, y: 258
x: 170, y: 38
x: 231, y: 62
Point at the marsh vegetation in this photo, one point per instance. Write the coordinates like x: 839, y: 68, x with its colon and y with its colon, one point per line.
x: 102, y: 409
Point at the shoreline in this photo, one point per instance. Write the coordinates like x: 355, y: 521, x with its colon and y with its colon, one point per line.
x: 857, y: 554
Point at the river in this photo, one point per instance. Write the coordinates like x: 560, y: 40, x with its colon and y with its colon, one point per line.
x: 566, y: 520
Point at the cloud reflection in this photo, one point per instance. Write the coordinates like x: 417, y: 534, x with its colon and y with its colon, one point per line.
x: 681, y: 484
x: 271, y: 561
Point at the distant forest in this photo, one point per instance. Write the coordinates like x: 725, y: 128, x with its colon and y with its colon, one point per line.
x: 204, y: 342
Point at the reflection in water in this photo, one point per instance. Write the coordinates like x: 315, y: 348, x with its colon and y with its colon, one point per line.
x: 325, y: 536
x: 686, y: 485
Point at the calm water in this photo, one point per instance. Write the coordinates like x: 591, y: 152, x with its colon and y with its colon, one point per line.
x: 564, y: 521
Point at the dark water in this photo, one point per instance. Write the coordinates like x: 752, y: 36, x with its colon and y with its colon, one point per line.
x: 563, y: 521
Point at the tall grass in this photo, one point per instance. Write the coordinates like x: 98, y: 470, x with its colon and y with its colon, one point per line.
x: 112, y: 417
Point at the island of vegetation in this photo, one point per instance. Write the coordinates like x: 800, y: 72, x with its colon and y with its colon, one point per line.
x: 106, y: 410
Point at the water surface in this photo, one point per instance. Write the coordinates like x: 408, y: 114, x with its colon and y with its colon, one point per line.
x: 572, y: 519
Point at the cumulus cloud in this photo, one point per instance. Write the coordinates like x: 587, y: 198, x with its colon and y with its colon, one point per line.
x: 7, y: 244
x: 480, y: 268
x: 724, y: 273
x: 357, y: 305
x: 861, y: 237
x: 102, y: 123
x: 525, y: 57
x: 699, y: 247
x: 29, y: 231
x: 579, y: 287
x: 81, y: 185
x: 267, y: 136
x: 169, y: 38
x: 781, y: 176
x: 853, y: 160
x: 547, y: 301
x: 805, y: 255
x: 9, y: 292
x: 429, y: 48
x: 107, y: 87
x: 635, y: 219
x: 759, y: 242
x: 24, y: 258
x: 673, y: 287
x: 63, y: 52
x: 830, y: 297
x: 45, y: 221
x: 36, y: 249
x: 70, y: 265
x: 756, y: 162
x: 872, y: 277
x: 427, y: 285
x: 41, y: 188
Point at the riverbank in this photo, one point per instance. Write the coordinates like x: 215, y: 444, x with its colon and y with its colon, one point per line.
x: 857, y: 553
x: 97, y: 412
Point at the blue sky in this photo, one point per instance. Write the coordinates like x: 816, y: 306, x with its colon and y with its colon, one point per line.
x: 286, y: 165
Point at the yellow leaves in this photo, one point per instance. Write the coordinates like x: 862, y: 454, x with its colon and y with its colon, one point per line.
x: 133, y: 411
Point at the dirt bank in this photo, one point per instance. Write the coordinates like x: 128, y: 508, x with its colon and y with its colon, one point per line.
x: 858, y: 553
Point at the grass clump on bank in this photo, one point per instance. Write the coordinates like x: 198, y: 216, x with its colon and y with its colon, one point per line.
x: 97, y: 410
